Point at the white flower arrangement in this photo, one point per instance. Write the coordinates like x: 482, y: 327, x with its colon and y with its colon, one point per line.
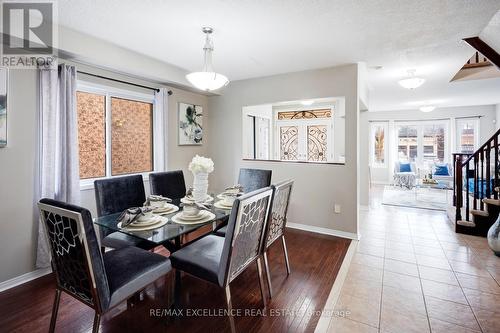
x: 201, y: 164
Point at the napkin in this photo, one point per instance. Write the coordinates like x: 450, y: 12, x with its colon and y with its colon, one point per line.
x: 131, y: 215
x: 153, y: 197
x: 234, y: 190
x: 197, y: 204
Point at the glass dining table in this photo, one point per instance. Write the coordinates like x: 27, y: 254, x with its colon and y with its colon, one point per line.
x: 168, y: 235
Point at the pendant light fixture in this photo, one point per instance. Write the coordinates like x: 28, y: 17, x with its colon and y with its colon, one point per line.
x: 412, y: 81
x: 207, y: 79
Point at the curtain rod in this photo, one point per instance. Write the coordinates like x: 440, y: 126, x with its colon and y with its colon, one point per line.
x: 121, y: 81
x: 415, y: 120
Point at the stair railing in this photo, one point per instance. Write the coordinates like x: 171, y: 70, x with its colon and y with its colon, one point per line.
x: 475, y: 169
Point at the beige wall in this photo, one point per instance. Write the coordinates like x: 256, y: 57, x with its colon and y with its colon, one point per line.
x: 317, y: 186
x: 17, y: 167
x: 17, y: 162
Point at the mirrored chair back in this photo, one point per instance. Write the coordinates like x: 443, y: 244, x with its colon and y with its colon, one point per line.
x: 75, y: 253
x: 245, y: 233
x: 277, y: 217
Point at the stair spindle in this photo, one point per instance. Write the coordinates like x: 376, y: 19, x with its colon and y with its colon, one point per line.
x: 488, y: 176
x: 458, y: 189
x: 467, y: 192
x: 495, y: 183
x: 476, y: 177
x: 481, y: 204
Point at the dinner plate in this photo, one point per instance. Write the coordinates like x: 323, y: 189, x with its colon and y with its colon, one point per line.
x: 221, y: 205
x: 159, y: 223
x: 167, y: 209
x: 200, y: 215
x: 136, y: 224
x: 209, y: 216
x: 208, y: 199
x: 143, y: 220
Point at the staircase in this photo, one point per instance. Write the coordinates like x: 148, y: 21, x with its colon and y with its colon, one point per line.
x: 476, y: 188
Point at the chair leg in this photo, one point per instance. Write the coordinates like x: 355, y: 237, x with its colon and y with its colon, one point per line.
x: 227, y: 293
x: 285, y: 251
x: 261, y: 282
x: 268, y: 274
x: 97, y: 323
x: 177, y: 288
x: 55, y: 309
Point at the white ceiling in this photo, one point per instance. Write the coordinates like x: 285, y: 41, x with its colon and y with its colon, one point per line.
x: 259, y: 38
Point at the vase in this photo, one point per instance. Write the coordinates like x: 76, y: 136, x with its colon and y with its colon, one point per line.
x: 200, y: 186
x: 493, y: 240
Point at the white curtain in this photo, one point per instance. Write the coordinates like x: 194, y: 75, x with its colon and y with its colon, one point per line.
x: 161, y: 129
x: 58, y: 165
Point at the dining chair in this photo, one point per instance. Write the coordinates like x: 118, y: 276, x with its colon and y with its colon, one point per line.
x: 254, y: 179
x: 114, y: 195
x: 220, y: 260
x: 251, y: 180
x: 276, y: 225
x: 99, y: 281
x: 170, y: 184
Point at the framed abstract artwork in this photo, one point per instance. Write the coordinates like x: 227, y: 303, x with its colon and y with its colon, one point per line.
x: 3, y: 106
x: 190, y: 124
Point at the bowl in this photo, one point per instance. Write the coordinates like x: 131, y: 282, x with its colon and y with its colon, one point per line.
x: 190, y: 210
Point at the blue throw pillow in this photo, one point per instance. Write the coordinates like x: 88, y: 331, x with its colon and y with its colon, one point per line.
x: 404, y: 167
x: 441, y: 170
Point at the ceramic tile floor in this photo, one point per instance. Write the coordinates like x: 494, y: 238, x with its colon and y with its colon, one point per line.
x: 413, y: 273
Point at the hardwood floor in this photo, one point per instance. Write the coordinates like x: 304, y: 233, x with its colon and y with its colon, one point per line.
x: 315, y: 260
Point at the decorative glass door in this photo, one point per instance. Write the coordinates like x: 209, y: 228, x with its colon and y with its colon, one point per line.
x: 317, y: 143
x: 289, y: 143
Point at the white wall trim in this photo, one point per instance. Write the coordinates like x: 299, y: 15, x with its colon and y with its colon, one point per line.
x: 18, y: 280
x: 324, y: 231
x: 328, y: 313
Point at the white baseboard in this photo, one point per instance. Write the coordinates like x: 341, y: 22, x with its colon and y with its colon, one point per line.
x: 324, y: 231
x: 24, y: 278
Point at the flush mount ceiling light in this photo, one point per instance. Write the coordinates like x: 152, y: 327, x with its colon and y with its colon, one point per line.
x: 207, y: 79
x: 427, y: 108
x: 307, y: 103
x: 412, y: 81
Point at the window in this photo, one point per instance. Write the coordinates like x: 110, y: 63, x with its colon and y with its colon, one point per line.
x: 305, y: 135
x: 434, y: 139
x: 423, y: 142
x: 115, y: 132
x: 295, y: 131
x: 467, y: 135
x: 378, y: 144
x: 407, y: 143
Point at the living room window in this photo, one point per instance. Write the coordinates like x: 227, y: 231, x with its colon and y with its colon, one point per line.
x: 422, y: 142
x: 378, y: 151
x: 115, y: 132
x: 467, y: 135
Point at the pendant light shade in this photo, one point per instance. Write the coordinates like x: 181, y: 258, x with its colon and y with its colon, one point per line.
x: 412, y: 81
x: 207, y: 79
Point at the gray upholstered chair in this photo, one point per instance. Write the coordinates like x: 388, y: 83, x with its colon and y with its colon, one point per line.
x: 251, y: 180
x: 221, y: 259
x: 114, y: 195
x: 99, y: 281
x: 276, y: 225
x: 169, y: 184
x: 254, y: 179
